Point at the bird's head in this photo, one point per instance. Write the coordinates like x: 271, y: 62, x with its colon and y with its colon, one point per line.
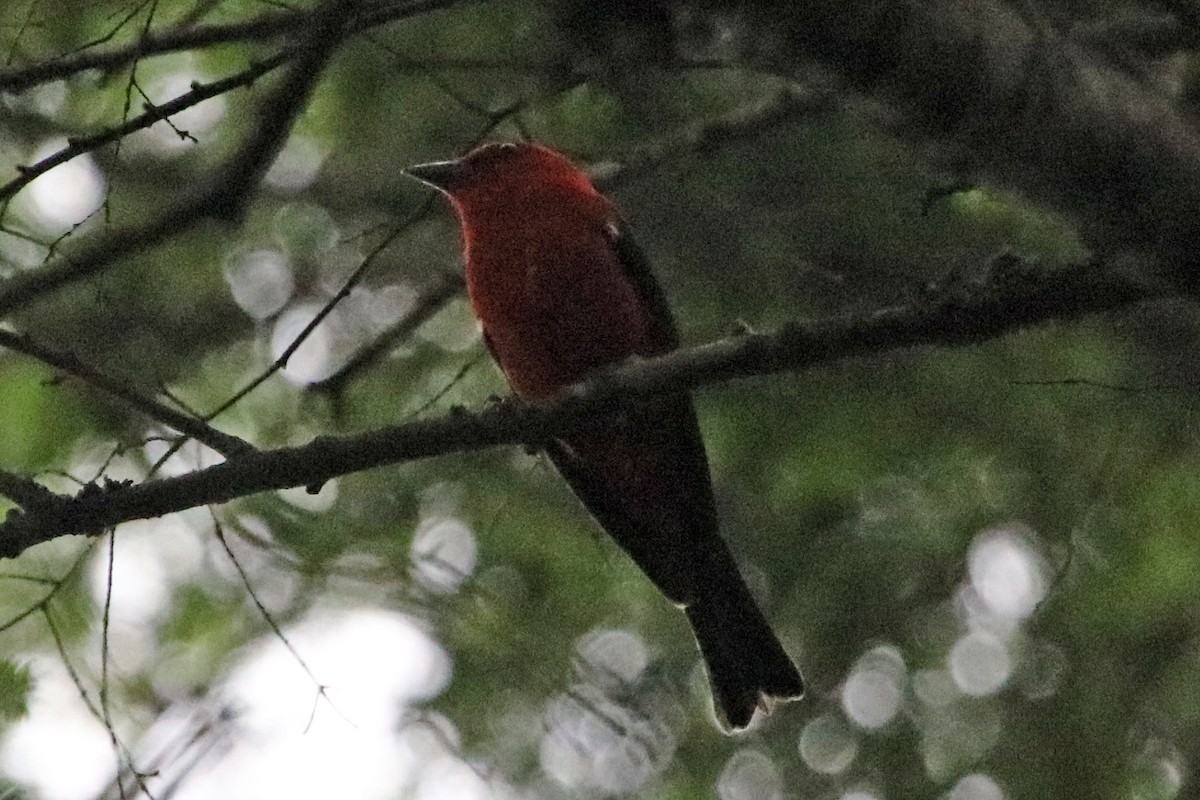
x: 501, y: 171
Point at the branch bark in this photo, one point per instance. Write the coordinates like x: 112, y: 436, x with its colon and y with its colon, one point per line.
x: 1016, y: 295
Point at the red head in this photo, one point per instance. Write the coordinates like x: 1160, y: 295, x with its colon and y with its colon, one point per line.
x: 499, y: 173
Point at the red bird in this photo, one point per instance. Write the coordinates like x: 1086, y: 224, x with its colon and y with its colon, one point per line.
x: 561, y: 289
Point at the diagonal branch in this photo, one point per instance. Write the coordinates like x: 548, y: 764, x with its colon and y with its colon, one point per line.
x: 789, y: 103
x: 77, y: 146
x: 1017, y: 295
x: 224, y: 198
x: 430, y: 302
x: 996, y: 86
x: 281, y: 108
x: 223, y: 443
x: 266, y: 27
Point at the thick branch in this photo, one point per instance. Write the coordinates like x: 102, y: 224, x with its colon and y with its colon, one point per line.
x: 1017, y: 296
x: 1025, y: 105
x: 23, y: 491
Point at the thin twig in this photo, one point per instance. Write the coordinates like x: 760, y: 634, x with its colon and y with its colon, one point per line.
x: 493, y: 120
x: 281, y: 361
x: 431, y: 301
x: 269, y: 618
x: 124, y: 756
x: 224, y: 198
x: 55, y: 587
x: 788, y: 103
x: 272, y: 25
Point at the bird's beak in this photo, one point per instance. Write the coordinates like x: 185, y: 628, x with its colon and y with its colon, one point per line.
x: 441, y: 175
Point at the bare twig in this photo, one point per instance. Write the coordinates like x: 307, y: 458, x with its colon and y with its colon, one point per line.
x: 789, y: 103
x: 269, y: 26
x: 281, y: 361
x: 493, y: 119
x: 77, y: 146
x: 431, y: 301
x: 56, y: 585
x: 269, y: 618
x: 224, y: 198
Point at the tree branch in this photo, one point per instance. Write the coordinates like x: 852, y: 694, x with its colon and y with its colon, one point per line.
x: 77, y: 146
x: 1015, y: 295
x: 224, y: 198
x: 272, y: 25
x: 24, y: 491
x: 431, y: 301
x: 1023, y: 104
x: 788, y: 103
x: 223, y: 443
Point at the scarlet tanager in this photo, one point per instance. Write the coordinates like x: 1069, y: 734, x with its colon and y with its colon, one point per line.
x: 561, y: 289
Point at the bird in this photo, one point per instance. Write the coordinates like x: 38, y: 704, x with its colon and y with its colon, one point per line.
x: 560, y: 290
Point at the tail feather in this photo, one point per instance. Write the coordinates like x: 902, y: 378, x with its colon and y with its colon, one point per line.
x: 747, y: 665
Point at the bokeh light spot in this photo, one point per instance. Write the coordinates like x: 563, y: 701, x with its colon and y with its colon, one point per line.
x: 980, y: 663
x: 444, y: 553
x: 872, y: 693
x: 67, y: 194
x: 314, y: 502
x: 750, y: 775
x: 297, y: 165
x: 194, y: 123
x: 935, y: 687
x: 828, y: 745
x: 305, y: 230
x: 612, y: 657
x: 1006, y: 572
x: 592, y: 742
x: 260, y: 281
x: 314, y: 359
x: 32, y: 750
x: 975, y: 787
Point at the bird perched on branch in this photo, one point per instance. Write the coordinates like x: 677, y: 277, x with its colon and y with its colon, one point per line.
x: 561, y: 289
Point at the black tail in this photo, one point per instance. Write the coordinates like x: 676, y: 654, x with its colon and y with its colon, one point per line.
x: 746, y: 663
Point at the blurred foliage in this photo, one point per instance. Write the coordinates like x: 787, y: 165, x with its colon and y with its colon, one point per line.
x: 860, y: 497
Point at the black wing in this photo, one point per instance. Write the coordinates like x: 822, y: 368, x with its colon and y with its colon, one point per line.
x: 641, y: 469
x: 637, y: 267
